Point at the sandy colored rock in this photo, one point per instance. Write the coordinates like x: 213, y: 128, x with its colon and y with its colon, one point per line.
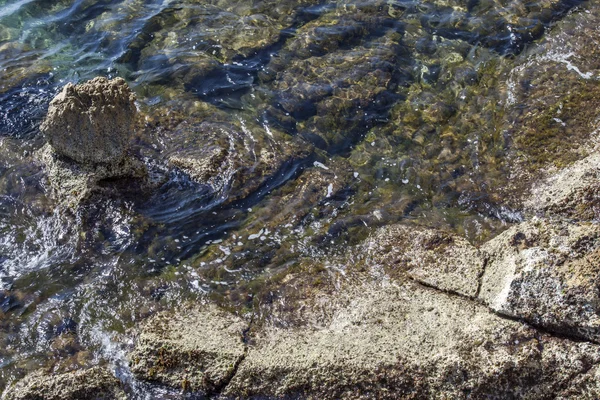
x: 196, y: 349
x: 73, y: 183
x: 573, y: 192
x: 96, y: 383
x: 433, y: 257
x: 91, y: 122
x: 408, y: 342
x: 546, y: 272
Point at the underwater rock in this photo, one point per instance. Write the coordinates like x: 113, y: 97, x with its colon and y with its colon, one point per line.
x: 334, y: 89
x: 91, y: 122
x: 96, y: 383
x: 546, y: 272
x: 196, y: 349
x: 234, y: 161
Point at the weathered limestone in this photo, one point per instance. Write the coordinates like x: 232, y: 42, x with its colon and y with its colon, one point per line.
x: 409, y: 342
x: 380, y: 341
x: 435, y: 258
x: 197, y: 349
x: 91, y: 122
x: 96, y: 383
x: 88, y: 128
x: 574, y: 192
x: 546, y: 272
x: 74, y: 182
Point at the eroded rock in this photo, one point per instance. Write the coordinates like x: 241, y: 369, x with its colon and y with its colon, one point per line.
x: 73, y: 183
x: 546, y: 272
x: 573, y: 192
x: 378, y: 340
x: 433, y: 257
x: 96, y: 383
x: 198, y: 349
x: 91, y: 122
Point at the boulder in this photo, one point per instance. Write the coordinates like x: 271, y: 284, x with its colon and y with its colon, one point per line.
x: 92, y: 122
x: 96, y: 383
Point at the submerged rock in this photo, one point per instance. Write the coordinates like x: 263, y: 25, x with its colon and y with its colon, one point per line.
x: 96, y: 383
x: 233, y: 161
x: 91, y: 122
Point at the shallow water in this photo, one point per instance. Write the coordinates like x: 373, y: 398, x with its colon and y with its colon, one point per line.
x: 369, y: 112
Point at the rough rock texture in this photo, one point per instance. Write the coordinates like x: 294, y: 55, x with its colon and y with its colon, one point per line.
x: 409, y: 342
x: 75, y: 182
x: 196, y: 349
x: 96, y: 383
x: 380, y: 341
x: 585, y: 386
x: 574, y: 192
x: 546, y: 272
x: 433, y: 257
x: 91, y: 122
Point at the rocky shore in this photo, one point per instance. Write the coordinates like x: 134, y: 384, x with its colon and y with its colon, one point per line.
x: 402, y: 310
x: 432, y: 317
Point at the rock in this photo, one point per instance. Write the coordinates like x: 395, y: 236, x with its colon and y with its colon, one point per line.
x: 573, y: 192
x: 409, y: 342
x: 378, y: 340
x: 546, y: 272
x: 92, y: 122
x: 233, y: 161
x: 196, y: 349
x: 335, y: 97
x: 74, y: 183
x: 96, y: 383
x: 585, y: 386
x: 436, y: 258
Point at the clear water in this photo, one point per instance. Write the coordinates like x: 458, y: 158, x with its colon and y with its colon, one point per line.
x: 380, y: 101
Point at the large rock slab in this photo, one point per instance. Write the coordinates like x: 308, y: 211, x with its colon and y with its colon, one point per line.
x: 197, y: 349
x: 408, y: 342
x: 546, y: 272
x: 91, y: 122
x: 433, y: 257
x: 573, y: 192
x: 96, y: 383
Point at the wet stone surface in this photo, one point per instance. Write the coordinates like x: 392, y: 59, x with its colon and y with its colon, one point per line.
x: 273, y: 137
